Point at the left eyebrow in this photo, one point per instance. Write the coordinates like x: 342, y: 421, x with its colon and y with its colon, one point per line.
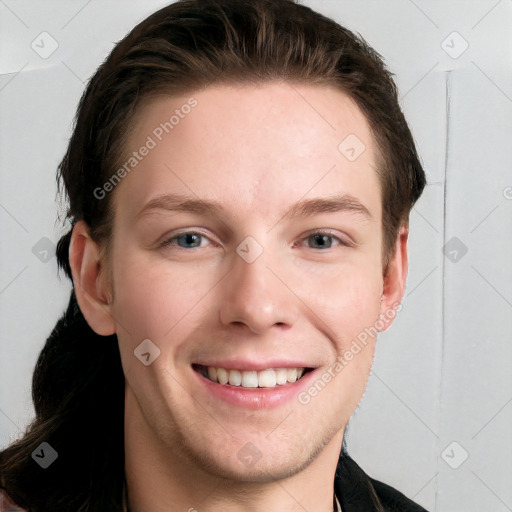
x: 182, y: 203
x: 332, y: 204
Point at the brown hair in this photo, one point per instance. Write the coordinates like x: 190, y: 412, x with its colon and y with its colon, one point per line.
x: 188, y: 45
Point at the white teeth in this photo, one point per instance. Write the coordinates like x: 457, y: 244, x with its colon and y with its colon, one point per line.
x: 292, y: 374
x: 235, y: 377
x: 250, y: 379
x: 268, y: 378
x: 281, y: 376
x: 222, y: 376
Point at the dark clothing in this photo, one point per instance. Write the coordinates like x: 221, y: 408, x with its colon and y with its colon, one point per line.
x: 357, y: 492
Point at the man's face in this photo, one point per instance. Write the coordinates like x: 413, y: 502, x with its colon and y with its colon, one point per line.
x: 267, y: 280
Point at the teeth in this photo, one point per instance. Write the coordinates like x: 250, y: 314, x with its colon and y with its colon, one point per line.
x: 269, y: 378
x: 292, y: 374
x: 222, y: 376
x: 212, y: 373
x: 282, y: 376
x: 235, y: 377
x: 249, y: 379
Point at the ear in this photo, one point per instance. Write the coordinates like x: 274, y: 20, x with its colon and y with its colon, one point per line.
x: 394, y: 280
x: 90, y: 279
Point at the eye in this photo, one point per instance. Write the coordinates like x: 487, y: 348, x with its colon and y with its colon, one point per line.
x: 187, y: 240
x: 323, y: 240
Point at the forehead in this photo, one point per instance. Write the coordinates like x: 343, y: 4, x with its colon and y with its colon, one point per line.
x: 251, y: 147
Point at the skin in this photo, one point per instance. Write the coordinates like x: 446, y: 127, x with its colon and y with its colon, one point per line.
x: 256, y: 150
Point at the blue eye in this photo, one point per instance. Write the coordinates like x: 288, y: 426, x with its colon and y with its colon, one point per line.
x: 189, y: 240
x: 319, y: 241
x: 323, y: 240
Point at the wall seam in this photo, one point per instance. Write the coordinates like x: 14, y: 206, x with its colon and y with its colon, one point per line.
x: 448, y: 91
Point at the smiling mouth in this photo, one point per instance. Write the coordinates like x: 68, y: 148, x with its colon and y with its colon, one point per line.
x: 268, y: 378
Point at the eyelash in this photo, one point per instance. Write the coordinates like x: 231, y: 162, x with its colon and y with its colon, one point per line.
x: 171, y: 240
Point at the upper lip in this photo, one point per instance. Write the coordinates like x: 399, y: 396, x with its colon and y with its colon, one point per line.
x: 255, y: 365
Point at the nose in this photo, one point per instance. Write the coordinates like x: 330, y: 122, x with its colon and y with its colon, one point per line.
x: 257, y: 297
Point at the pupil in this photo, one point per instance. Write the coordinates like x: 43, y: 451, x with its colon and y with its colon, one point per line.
x: 321, y: 241
x: 189, y: 239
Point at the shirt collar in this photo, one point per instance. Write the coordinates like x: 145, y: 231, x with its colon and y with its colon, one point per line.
x: 353, y: 487
x: 337, y: 505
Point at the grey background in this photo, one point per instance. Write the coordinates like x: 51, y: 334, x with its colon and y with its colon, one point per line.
x: 441, y: 389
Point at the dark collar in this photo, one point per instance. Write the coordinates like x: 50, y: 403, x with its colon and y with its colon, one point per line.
x: 357, y: 492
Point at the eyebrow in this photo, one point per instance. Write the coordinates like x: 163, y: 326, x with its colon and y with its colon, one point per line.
x: 331, y: 204
x: 181, y: 203
x: 304, y: 208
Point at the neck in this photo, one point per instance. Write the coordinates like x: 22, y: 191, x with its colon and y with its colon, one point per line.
x: 161, y: 478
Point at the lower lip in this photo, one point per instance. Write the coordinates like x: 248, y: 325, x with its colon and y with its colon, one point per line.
x: 255, y: 398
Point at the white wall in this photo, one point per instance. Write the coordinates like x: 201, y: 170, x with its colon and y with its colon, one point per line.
x: 442, y: 372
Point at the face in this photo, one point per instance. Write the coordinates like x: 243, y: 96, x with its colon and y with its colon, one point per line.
x: 247, y: 246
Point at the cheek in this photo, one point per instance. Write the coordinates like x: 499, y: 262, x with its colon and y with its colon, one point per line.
x: 346, y: 296
x: 152, y: 297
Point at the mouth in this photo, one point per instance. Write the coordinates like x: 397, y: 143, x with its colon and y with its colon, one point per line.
x: 267, y: 378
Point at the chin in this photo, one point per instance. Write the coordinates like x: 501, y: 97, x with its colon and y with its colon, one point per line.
x: 268, y: 468
x: 260, y: 460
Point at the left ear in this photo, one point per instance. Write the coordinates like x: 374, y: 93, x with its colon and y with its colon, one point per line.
x: 394, y: 281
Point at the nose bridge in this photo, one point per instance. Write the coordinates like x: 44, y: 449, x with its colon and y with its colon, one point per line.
x: 253, y: 295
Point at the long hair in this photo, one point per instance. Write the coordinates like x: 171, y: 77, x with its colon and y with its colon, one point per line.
x: 78, y: 395
x: 78, y: 384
